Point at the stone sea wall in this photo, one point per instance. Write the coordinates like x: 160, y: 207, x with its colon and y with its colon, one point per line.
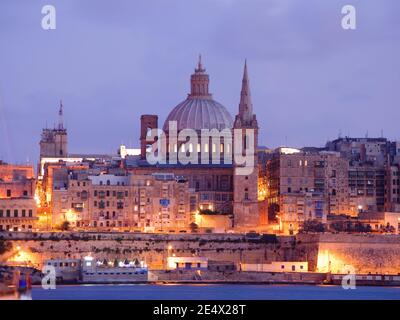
x: 324, y: 252
x: 152, y: 248
x: 365, y: 253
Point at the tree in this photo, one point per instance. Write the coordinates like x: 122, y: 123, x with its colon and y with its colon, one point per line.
x: 65, y: 226
x: 116, y: 263
x: 312, y: 226
x: 5, y: 246
x: 193, y: 227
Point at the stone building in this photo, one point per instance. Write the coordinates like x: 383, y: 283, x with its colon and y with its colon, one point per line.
x: 17, y: 203
x: 392, y: 188
x: 156, y: 202
x: 309, y: 185
x: 53, y: 142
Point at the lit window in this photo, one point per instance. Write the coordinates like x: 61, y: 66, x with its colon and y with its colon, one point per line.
x: 190, y: 147
x: 214, y: 148
x: 206, y: 147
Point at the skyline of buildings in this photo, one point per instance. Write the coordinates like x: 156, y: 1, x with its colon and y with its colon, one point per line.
x: 284, y: 188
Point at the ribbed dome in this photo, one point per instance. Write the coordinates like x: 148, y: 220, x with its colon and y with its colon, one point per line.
x: 199, y: 110
x: 198, y: 113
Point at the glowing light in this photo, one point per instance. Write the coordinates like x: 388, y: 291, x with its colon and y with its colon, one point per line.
x: 70, y: 216
x: 328, y: 262
x: 284, y: 150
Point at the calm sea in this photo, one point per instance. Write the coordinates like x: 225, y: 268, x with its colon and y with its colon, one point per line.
x: 213, y: 292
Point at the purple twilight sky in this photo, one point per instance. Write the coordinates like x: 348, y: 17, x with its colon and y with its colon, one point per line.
x: 111, y: 61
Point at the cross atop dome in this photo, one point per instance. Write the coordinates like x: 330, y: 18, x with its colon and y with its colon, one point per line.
x: 200, y: 68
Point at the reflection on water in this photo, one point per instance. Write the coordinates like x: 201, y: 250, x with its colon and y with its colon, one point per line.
x: 213, y: 292
x: 17, y: 296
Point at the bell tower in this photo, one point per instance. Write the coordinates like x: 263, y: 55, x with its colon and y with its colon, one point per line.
x: 54, y: 142
x: 147, y: 123
x: 245, y: 182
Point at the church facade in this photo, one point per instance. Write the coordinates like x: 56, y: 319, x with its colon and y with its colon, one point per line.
x: 223, y: 184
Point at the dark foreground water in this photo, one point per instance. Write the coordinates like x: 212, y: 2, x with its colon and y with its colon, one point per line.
x: 213, y: 292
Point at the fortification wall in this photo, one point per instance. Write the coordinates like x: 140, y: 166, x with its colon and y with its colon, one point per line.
x: 365, y: 253
x: 324, y: 252
x: 152, y: 248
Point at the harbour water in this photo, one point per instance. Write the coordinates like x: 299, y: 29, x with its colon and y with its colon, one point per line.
x: 212, y: 292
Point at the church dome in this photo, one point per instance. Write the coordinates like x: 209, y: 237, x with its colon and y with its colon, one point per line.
x: 199, y: 110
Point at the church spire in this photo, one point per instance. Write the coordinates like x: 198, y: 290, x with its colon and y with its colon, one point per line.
x: 246, y: 116
x: 199, y: 82
x: 61, y: 117
x: 245, y: 106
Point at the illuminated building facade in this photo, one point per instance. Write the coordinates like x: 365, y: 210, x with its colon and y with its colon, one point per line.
x: 17, y: 203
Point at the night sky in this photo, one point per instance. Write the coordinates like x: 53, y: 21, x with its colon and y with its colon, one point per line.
x: 111, y: 61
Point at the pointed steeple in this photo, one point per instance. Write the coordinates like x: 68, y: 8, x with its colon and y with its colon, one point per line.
x: 61, y: 117
x: 199, y: 82
x: 246, y: 116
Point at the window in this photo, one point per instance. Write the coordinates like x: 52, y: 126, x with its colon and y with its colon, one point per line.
x: 23, y: 213
x: 1, y: 213
x: 8, y: 213
x: 8, y: 193
x: 30, y: 213
x: 25, y: 193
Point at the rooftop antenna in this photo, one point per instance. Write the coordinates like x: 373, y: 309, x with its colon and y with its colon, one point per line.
x: 60, y: 117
